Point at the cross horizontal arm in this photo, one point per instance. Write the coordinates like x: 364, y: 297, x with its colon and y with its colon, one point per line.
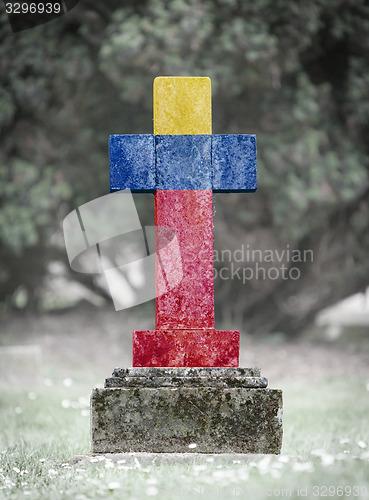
x: 145, y: 162
x: 132, y: 162
x: 234, y: 162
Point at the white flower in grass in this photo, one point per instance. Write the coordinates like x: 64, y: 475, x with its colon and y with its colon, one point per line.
x: 277, y: 465
x: 361, y: 444
x: 94, y: 459
x: 65, y: 403
x: 15, y: 469
x: 8, y: 483
x: 199, y: 467
x: 85, y: 413
x: 52, y: 472
x: 344, y: 440
x: 192, y: 446
x: 18, y: 410
x: 275, y: 473
x: 318, y: 453
x: 121, y: 461
x: 303, y: 467
x: 67, y: 382
x: 327, y: 460
x: 26, y: 492
x: 109, y: 465
x: 114, y: 485
x: 83, y: 401
x: 42, y: 460
x: 341, y: 456
x: 243, y: 474
x: 152, y: 491
x: 264, y: 464
x: 152, y: 480
x: 210, y: 459
x: 219, y: 474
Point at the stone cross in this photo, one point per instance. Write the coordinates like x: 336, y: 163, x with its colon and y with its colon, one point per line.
x: 183, y: 163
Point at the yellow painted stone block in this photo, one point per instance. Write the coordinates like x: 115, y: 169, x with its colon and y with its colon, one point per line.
x: 182, y: 105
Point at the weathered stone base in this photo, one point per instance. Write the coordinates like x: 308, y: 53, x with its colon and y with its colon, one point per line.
x: 215, y: 416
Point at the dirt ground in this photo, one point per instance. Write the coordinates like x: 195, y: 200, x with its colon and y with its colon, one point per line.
x: 88, y: 342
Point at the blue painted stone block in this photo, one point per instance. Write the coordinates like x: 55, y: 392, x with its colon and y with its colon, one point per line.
x: 183, y: 162
x: 132, y: 162
x: 234, y: 162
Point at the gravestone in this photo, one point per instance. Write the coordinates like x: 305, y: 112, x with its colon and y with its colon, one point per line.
x: 185, y: 391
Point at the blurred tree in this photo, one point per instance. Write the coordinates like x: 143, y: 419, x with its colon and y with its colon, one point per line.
x: 296, y: 74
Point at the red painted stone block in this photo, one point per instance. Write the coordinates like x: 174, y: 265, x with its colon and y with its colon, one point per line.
x: 186, y: 348
x: 190, y: 305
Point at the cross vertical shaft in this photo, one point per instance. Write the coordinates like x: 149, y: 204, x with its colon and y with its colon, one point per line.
x: 185, y: 334
x: 183, y: 107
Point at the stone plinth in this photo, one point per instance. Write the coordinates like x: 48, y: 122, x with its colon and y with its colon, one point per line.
x: 185, y: 348
x: 165, y: 410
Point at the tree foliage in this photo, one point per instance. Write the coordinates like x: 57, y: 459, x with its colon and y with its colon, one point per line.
x: 294, y: 73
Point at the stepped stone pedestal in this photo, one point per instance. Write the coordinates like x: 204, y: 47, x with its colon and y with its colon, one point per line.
x: 165, y: 410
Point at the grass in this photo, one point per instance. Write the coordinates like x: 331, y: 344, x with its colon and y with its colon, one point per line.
x: 325, y: 451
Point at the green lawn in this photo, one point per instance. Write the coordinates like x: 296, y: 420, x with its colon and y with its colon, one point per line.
x: 325, y: 451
